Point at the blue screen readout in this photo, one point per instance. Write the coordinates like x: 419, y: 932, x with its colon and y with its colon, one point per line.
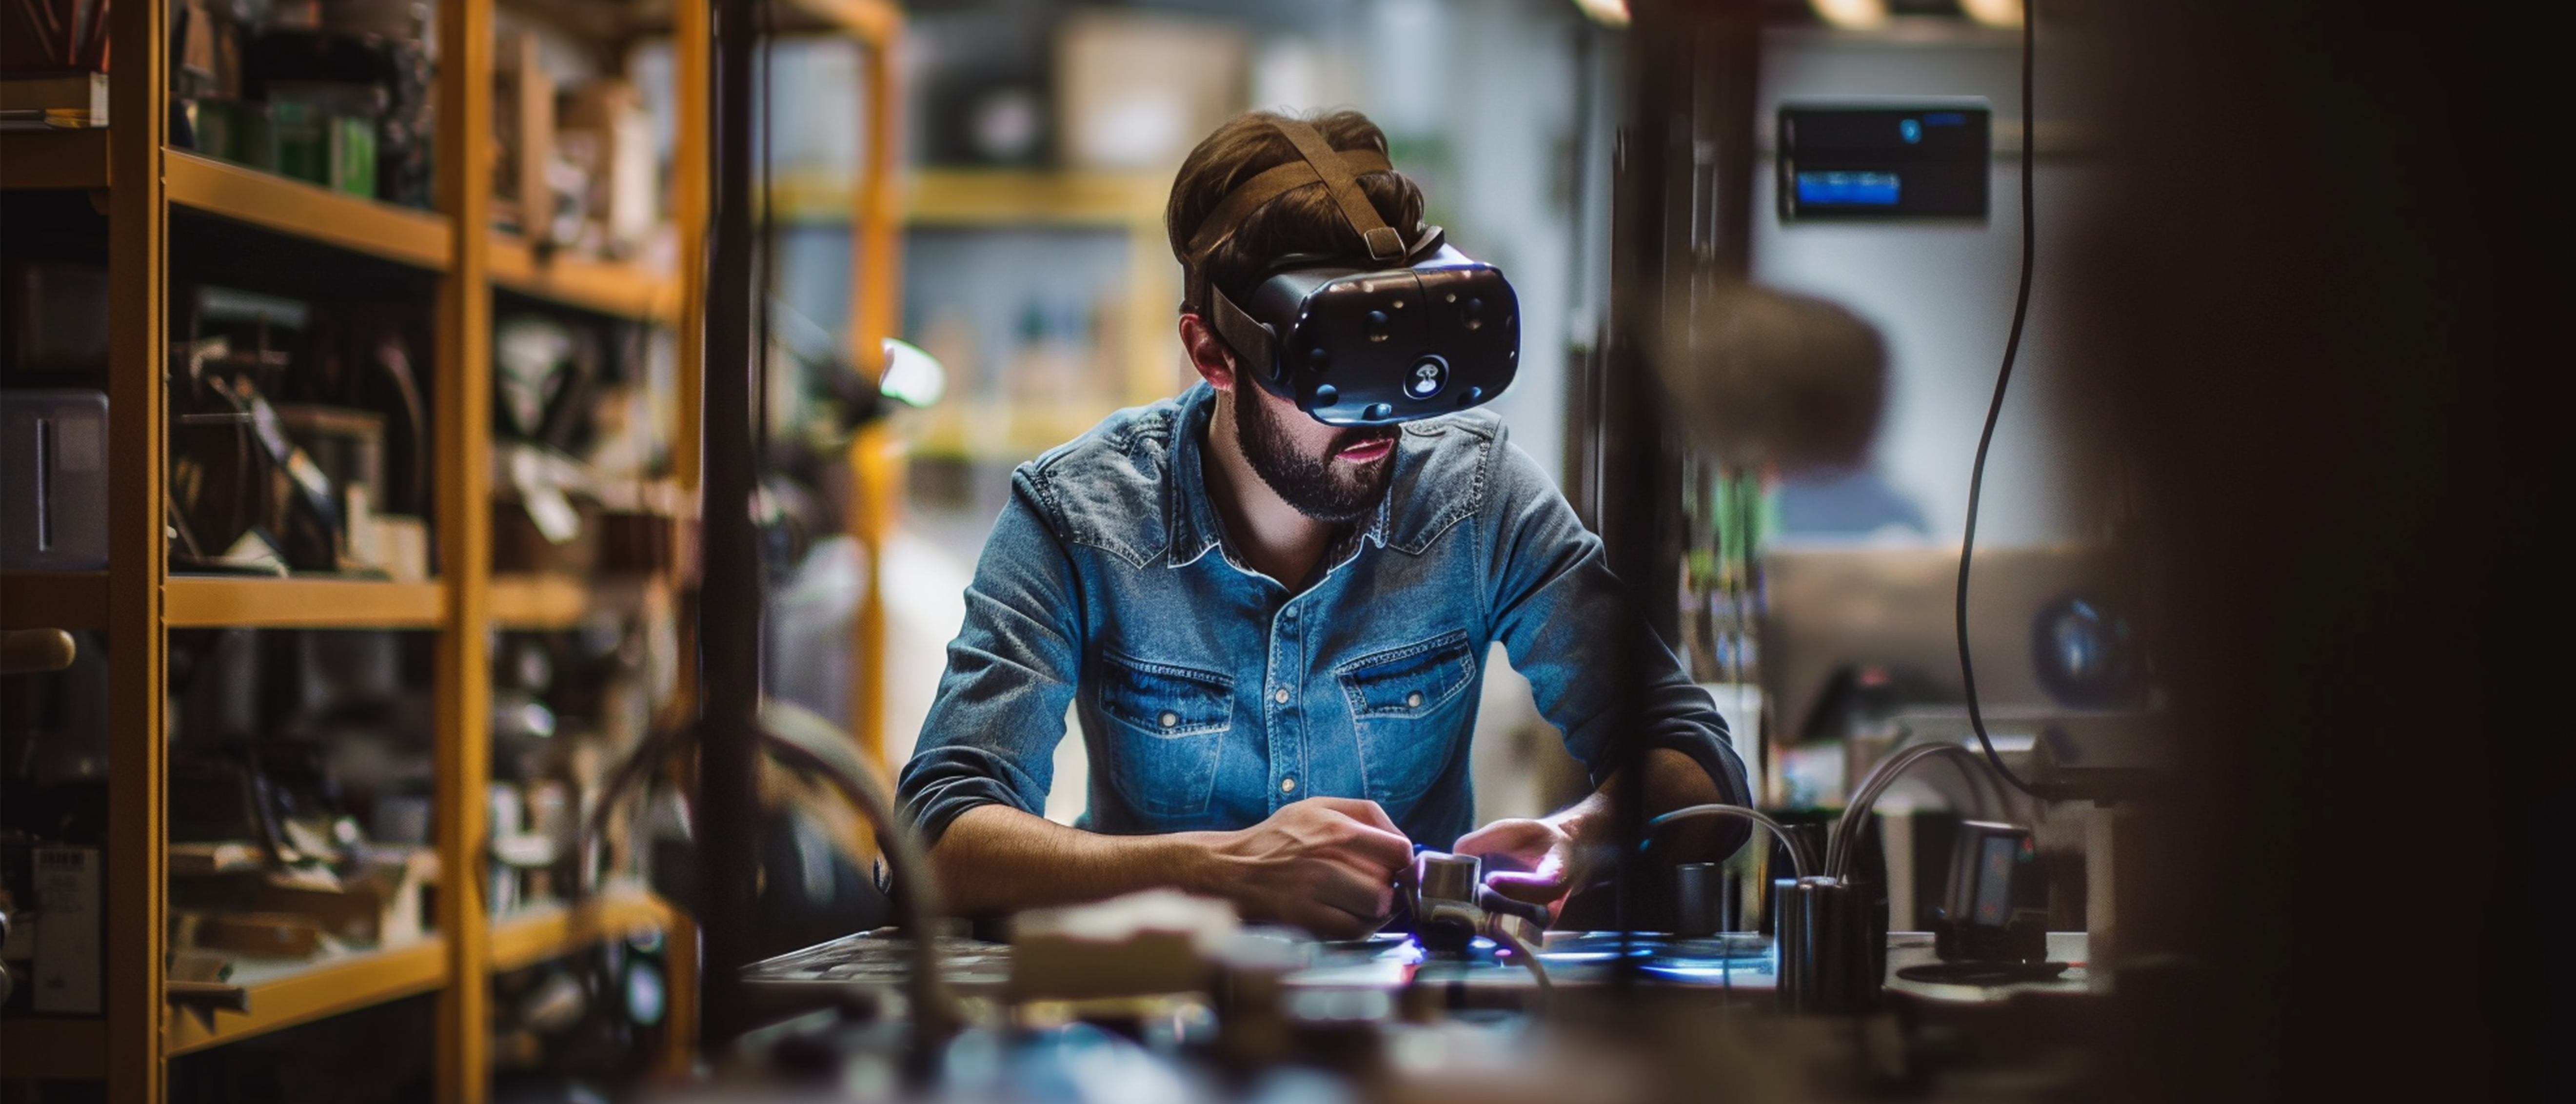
x: 1848, y: 189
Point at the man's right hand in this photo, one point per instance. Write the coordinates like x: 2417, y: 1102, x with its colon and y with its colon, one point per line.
x: 1325, y: 864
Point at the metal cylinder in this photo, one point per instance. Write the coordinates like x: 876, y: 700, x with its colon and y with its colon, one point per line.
x: 1450, y: 877
x: 1827, y: 964
x: 1704, y: 899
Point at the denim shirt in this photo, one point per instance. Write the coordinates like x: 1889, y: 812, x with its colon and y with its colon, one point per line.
x: 1210, y: 695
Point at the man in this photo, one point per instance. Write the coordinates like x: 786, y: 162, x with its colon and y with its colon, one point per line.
x: 1273, y: 629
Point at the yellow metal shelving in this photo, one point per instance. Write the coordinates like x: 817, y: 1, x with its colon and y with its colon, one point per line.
x: 541, y: 932
x: 283, y: 994
x: 421, y: 239
x: 621, y: 290
x: 304, y: 602
x: 128, y: 1047
x: 562, y: 601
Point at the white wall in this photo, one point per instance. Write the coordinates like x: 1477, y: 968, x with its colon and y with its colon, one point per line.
x: 1943, y: 294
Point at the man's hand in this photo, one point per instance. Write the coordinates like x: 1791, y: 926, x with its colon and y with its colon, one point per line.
x: 1325, y: 864
x: 1538, y: 861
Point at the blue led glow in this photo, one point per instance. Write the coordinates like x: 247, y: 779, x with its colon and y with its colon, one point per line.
x: 1911, y: 130
x: 1847, y: 189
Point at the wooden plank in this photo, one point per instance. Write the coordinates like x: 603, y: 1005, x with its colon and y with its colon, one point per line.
x: 53, y: 1049
x: 538, y: 601
x: 299, y: 209
x: 286, y: 994
x: 462, y: 749
x: 987, y: 197
x: 873, y: 21
x: 693, y: 63
x: 554, y: 601
x: 209, y: 601
x: 138, y: 735
x: 875, y: 456
x: 621, y: 290
x: 53, y: 600
x: 54, y: 159
x: 551, y: 931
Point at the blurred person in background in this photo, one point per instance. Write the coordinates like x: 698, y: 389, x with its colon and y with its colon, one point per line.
x: 1271, y: 630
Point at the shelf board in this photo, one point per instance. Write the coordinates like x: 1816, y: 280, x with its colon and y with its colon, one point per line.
x: 535, y: 934
x: 298, y: 209
x: 870, y: 20
x: 213, y: 601
x: 1003, y: 197
x: 53, y: 600
x: 1129, y: 201
x: 558, y: 601
x: 621, y: 290
x: 31, y: 159
x: 283, y: 994
x: 991, y: 430
x: 53, y: 1049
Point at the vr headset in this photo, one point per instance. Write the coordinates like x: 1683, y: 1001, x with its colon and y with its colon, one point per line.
x: 1389, y: 333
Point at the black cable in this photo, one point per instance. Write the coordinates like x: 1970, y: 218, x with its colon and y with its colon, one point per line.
x: 1995, y: 409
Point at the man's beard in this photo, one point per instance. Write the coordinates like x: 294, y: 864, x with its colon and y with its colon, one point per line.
x: 1311, y: 484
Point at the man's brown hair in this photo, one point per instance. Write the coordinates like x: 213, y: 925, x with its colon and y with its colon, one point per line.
x: 1304, y: 220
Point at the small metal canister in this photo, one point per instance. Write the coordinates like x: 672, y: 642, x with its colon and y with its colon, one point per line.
x: 1832, y: 959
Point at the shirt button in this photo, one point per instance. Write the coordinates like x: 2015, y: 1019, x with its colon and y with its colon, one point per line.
x: 1280, y: 695
x: 1411, y: 701
x: 1292, y: 613
x: 1169, y: 718
x: 1288, y: 785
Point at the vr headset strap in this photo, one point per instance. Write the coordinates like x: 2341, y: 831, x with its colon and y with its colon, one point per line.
x: 1318, y: 162
x: 1252, y: 341
x: 1248, y: 197
x: 1385, y: 246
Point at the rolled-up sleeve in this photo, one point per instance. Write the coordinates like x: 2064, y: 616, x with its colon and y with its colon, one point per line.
x: 1564, y: 617
x: 991, y: 734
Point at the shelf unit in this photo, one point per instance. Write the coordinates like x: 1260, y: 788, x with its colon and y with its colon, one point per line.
x: 136, y: 181
x: 1130, y: 203
x: 283, y: 994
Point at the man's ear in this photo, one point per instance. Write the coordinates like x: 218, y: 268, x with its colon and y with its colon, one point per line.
x: 1207, y: 353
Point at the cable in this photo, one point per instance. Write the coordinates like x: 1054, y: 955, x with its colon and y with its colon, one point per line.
x: 1799, y: 860
x: 857, y: 782
x: 1995, y: 409
x: 1546, y: 989
x: 1845, y: 840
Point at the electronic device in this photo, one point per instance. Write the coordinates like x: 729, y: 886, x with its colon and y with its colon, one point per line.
x: 53, y: 484
x: 1388, y: 333
x: 1995, y: 927
x: 1929, y: 159
x: 1451, y: 905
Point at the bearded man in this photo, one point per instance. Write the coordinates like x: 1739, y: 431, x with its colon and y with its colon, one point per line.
x: 1273, y: 629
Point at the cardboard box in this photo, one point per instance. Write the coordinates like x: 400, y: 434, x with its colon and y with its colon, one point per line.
x: 1138, y: 91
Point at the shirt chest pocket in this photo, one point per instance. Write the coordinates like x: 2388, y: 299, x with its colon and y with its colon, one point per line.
x: 1408, y: 710
x: 1167, y: 724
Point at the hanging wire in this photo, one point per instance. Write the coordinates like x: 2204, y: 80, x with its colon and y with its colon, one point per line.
x: 1995, y: 409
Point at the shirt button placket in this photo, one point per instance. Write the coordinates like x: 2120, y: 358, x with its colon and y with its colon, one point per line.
x: 1286, y: 739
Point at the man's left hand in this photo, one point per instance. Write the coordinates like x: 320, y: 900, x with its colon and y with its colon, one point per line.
x: 1527, y: 860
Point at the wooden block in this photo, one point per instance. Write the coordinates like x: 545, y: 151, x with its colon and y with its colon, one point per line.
x: 265, y: 934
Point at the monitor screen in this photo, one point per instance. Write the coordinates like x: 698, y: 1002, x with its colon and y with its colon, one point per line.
x: 1848, y: 189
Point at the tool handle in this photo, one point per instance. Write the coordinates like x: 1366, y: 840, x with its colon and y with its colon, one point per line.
x: 31, y: 651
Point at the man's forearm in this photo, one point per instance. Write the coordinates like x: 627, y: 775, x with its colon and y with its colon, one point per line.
x: 1673, y: 781
x: 997, y: 859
